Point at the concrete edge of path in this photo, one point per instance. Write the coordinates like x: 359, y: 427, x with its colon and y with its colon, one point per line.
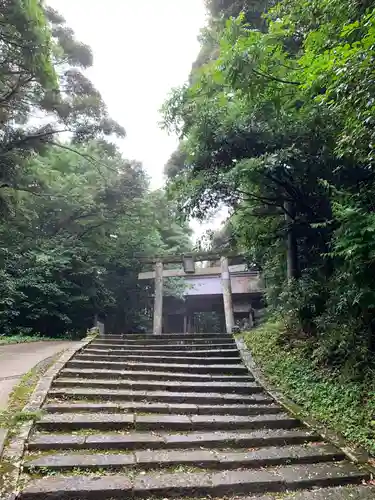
x: 15, y: 450
x: 359, y: 456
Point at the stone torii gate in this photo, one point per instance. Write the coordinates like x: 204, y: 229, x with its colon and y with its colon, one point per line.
x: 204, y: 277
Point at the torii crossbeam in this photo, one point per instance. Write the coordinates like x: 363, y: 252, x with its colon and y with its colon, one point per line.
x: 205, y: 278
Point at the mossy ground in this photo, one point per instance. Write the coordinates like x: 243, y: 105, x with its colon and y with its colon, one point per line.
x: 346, y: 406
x: 13, y: 416
x: 20, y: 395
x: 22, y: 339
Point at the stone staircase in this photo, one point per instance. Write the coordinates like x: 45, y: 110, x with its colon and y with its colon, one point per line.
x: 175, y: 416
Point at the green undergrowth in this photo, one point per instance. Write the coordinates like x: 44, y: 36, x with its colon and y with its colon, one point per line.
x: 342, y: 404
x: 22, y: 339
x: 14, y: 415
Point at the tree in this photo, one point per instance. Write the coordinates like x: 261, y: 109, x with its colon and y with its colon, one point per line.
x: 43, y: 92
x: 76, y: 215
x: 252, y: 9
x: 278, y: 126
x: 71, y: 248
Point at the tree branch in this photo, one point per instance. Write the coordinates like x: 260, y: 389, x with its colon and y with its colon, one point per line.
x: 30, y: 191
x: 15, y: 89
x: 18, y: 143
x: 73, y: 218
x: 274, y: 78
x: 268, y: 201
x: 87, y: 157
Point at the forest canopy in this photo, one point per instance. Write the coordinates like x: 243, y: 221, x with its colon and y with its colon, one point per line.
x: 277, y: 122
x: 75, y: 214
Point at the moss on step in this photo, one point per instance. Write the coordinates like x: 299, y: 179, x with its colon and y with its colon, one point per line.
x: 129, y: 472
x: 66, y: 451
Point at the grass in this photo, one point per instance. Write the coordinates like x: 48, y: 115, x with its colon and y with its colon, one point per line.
x: 343, y: 405
x: 13, y: 416
x: 20, y: 395
x: 22, y: 339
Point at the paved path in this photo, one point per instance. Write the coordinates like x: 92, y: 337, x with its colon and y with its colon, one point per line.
x: 18, y: 359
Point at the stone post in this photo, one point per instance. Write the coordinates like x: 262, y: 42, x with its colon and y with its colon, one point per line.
x: 251, y: 317
x: 158, y: 301
x: 190, y: 323
x: 227, y: 294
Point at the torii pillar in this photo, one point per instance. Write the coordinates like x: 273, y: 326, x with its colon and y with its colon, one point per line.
x: 158, y: 299
x: 227, y: 294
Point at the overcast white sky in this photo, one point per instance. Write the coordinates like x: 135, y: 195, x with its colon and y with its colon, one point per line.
x: 142, y: 48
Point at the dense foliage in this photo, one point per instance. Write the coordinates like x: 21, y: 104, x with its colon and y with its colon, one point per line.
x: 348, y: 407
x: 277, y: 122
x: 75, y: 215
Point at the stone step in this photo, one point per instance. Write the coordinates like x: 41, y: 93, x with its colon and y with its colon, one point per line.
x: 150, y: 336
x: 159, y: 396
x: 145, y: 375
x: 165, y: 440
x: 128, y: 410
x: 213, y: 459
x: 181, y: 409
x: 159, y: 352
x: 143, y: 358
x: 276, y: 479
x: 164, y: 347
x: 127, y: 421
x: 149, y: 385
x: 348, y: 492
x: 113, y: 335
x: 159, y: 339
x: 177, y: 345
x: 135, y: 365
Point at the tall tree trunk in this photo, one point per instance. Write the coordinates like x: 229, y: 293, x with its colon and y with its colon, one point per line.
x: 292, y: 250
